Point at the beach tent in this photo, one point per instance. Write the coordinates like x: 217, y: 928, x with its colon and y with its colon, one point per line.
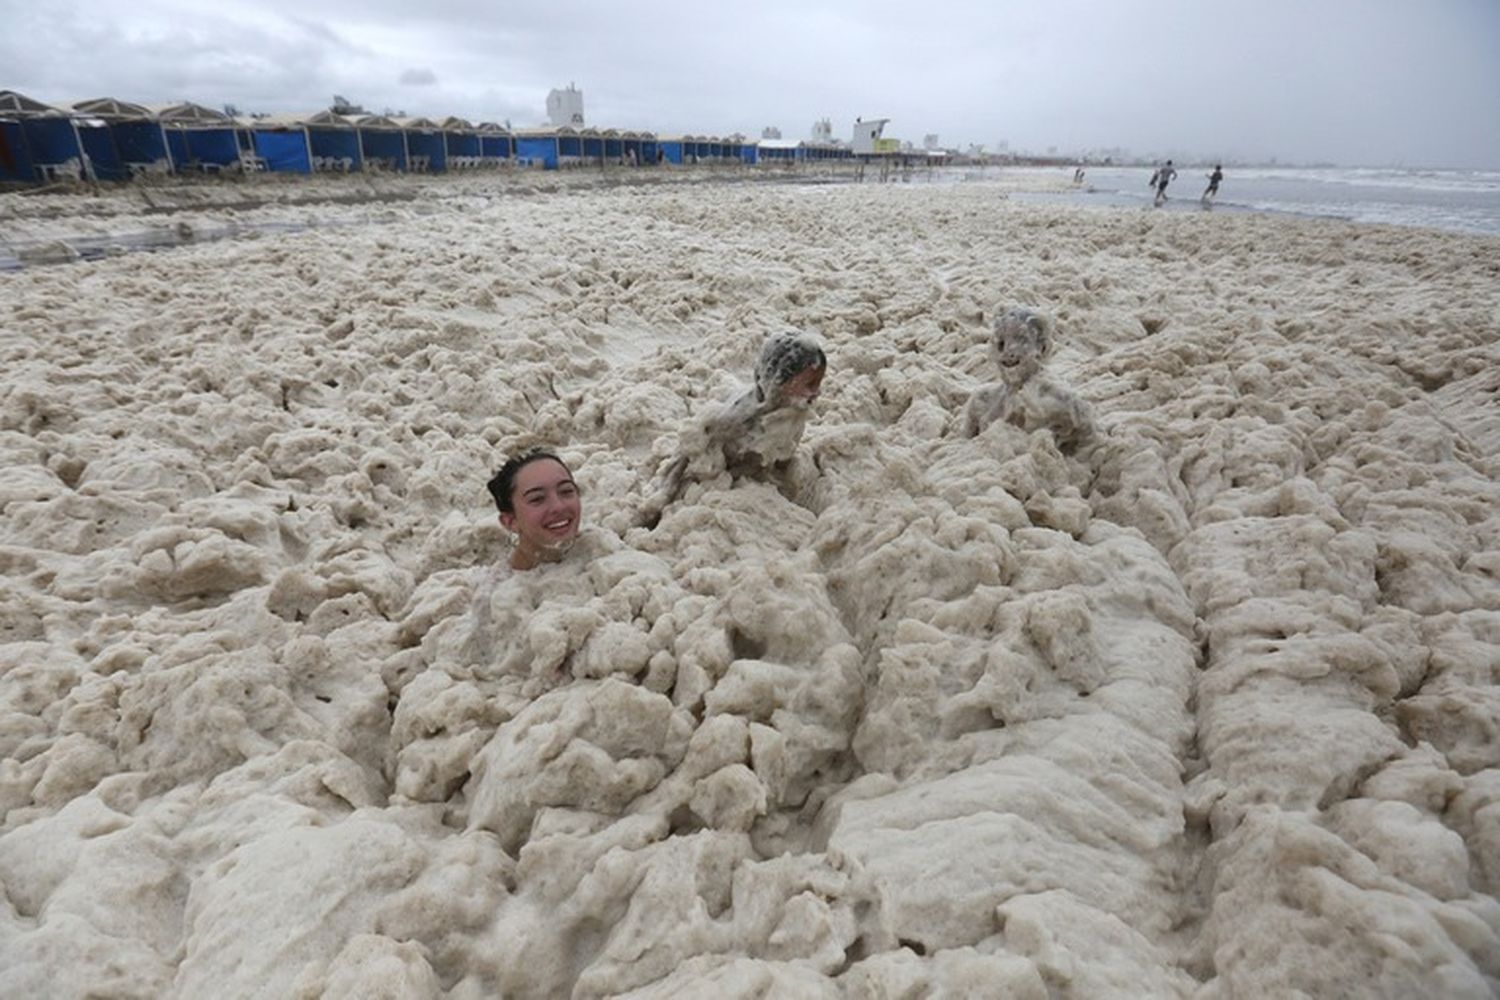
x: 647, y: 150
x: 569, y: 146
x: 538, y: 147
x: 15, y: 155
x: 673, y: 148
x: 278, y: 143
x: 122, y: 139
x: 426, y: 151
x: 591, y: 150
x: 382, y: 143
x: 496, y: 144
x: 199, y: 138
x: 632, y: 147
x: 462, y: 147
x: 53, y: 148
x: 333, y: 142
x: 781, y: 151
x: 614, y: 146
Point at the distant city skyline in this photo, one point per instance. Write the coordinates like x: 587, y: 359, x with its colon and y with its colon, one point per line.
x: 1349, y: 82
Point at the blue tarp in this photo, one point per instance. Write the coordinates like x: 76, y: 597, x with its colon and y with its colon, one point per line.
x: 593, y: 148
x: 673, y: 151
x: 139, y: 142
x: 463, y: 144
x: 284, y: 152
x: 195, y: 148
x: 497, y: 146
x: 569, y: 145
x: 383, y: 145
x: 538, y: 149
x: 339, y: 143
x: 749, y: 153
x: 648, y: 151
x: 51, y: 140
x: 15, y: 157
x: 104, y: 159
x: 430, y: 145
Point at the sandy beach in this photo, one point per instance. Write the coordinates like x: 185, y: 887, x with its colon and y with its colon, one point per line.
x: 1208, y: 711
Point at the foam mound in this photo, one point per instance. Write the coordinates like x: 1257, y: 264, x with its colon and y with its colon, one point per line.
x: 1207, y: 709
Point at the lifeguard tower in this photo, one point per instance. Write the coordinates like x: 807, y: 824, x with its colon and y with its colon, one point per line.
x: 867, y: 141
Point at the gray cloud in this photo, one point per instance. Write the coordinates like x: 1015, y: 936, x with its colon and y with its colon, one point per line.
x: 417, y: 78
x: 1348, y: 81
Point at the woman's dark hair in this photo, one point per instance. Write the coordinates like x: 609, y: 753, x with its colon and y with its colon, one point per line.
x: 504, y: 482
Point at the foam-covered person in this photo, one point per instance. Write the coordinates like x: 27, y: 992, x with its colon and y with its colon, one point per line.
x: 541, y: 510
x: 1026, y: 396
x: 757, y: 432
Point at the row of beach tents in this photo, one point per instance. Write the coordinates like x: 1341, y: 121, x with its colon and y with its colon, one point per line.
x: 111, y: 140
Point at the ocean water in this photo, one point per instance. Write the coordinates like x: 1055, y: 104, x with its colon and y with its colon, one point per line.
x: 1464, y: 201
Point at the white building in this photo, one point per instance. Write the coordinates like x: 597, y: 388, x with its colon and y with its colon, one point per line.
x: 822, y: 131
x: 565, y: 107
x: 867, y: 133
x: 930, y: 141
x: 770, y: 132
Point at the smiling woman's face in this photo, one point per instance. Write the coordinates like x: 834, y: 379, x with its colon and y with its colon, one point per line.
x: 547, y: 511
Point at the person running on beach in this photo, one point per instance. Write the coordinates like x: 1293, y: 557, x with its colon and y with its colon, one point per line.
x: 758, y: 432
x: 1213, y: 182
x: 1161, y: 179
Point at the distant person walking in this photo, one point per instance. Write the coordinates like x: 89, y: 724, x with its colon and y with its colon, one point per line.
x: 1210, y: 192
x: 1160, y: 180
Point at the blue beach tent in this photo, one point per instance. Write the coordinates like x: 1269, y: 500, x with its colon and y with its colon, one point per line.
x: 123, y: 140
x: 278, y: 143
x: 648, y: 148
x: 333, y: 142
x: 591, y: 142
x: 614, y: 147
x: 426, y: 151
x: 630, y: 147
x: 49, y: 136
x: 462, y: 148
x: 569, y: 146
x: 496, y: 144
x: 539, y: 148
x: 780, y: 151
x: 382, y: 143
x: 199, y: 138
x: 15, y: 155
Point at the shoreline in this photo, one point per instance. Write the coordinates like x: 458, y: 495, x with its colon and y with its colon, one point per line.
x: 51, y: 228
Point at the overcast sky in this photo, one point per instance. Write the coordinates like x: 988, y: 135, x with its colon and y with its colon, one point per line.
x: 1356, y: 82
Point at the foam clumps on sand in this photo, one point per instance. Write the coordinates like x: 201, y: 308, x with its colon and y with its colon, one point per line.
x: 1203, y: 709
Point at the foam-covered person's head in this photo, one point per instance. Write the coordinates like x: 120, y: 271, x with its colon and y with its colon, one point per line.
x: 1021, y: 340
x: 540, y: 504
x: 790, y: 369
